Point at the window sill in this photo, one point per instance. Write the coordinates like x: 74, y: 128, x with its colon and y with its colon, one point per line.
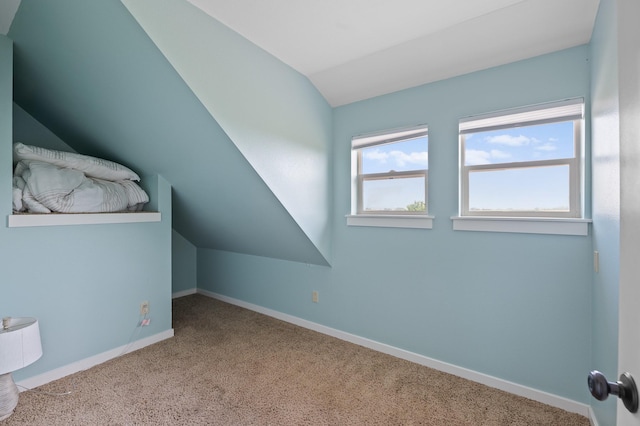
x: 526, y: 225
x: 391, y: 221
x: 61, y: 219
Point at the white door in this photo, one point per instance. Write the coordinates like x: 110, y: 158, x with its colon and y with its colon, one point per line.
x: 629, y: 92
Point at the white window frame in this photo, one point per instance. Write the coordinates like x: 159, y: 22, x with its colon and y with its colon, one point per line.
x: 567, y: 222
x: 401, y: 219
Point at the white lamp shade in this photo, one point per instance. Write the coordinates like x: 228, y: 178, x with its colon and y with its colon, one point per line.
x: 19, y: 344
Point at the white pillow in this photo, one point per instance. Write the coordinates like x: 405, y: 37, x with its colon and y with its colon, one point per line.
x: 91, y: 166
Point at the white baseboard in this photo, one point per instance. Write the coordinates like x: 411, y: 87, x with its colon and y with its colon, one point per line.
x: 183, y: 293
x: 494, y: 382
x: 592, y: 417
x: 84, y: 364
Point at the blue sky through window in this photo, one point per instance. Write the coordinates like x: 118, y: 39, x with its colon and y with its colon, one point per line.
x: 394, y: 194
x: 530, y: 143
x: 526, y: 189
x: 399, y: 156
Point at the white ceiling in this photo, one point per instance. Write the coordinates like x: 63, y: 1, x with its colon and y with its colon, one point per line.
x: 356, y: 49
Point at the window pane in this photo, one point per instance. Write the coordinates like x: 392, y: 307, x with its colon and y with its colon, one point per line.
x: 399, y: 194
x: 527, y: 189
x: 528, y: 143
x: 399, y: 156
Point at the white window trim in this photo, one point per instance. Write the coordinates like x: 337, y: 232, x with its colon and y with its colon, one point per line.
x: 380, y: 219
x: 567, y: 110
x: 391, y: 221
x: 523, y: 225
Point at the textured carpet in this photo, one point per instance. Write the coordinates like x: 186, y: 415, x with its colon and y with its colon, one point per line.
x: 230, y: 366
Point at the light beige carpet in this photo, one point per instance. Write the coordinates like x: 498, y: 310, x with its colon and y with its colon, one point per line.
x: 231, y: 366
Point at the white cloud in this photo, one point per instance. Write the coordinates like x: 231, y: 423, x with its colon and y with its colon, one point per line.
x: 474, y: 157
x: 376, y: 155
x: 510, y: 140
x: 398, y: 158
x: 499, y: 155
x: 402, y: 158
x: 546, y: 147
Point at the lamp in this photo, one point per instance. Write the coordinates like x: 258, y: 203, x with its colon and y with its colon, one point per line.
x: 19, y: 346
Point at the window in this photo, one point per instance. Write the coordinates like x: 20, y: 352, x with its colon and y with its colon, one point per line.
x: 390, y: 172
x: 523, y: 163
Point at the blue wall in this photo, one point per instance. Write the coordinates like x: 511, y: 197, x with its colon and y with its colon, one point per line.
x: 276, y: 117
x: 29, y: 131
x: 83, y: 283
x: 113, y: 94
x: 514, y: 306
x: 6, y: 118
x: 183, y: 261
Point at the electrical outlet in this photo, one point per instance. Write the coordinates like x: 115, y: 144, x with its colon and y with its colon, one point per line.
x: 144, y: 308
x: 315, y: 297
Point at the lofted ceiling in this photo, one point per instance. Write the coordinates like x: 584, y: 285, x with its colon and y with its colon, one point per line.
x: 357, y: 49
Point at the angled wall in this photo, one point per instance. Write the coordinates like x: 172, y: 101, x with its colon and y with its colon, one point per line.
x: 89, y: 73
x: 29, y: 131
x: 275, y: 116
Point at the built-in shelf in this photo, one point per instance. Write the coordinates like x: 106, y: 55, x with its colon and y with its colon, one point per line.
x: 61, y: 219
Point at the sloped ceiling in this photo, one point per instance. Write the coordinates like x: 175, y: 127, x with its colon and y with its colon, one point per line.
x: 272, y: 113
x: 362, y: 48
x: 89, y: 73
x: 356, y: 49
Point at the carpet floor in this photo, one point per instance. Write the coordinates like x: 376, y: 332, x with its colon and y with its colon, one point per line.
x: 231, y: 366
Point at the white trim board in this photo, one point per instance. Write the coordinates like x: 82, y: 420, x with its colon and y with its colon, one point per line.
x: 494, y: 382
x: 62, y: 219
x: 592, y: 417
x: 85, y: 364
x: 183, y: 293
x: 391, y: 221
x: 525, y: 225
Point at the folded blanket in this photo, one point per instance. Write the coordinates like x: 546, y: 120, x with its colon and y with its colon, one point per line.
x: 18, y: 189
x: 136, y: 196
x: 46, y: 187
